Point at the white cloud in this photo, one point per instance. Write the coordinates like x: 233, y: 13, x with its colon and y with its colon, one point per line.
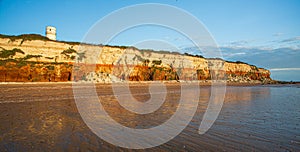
x: 239, y: 43
x: 231, y: 54
x: 293, y: 39
x: 291, y: 43
x: 278, y: 34
x: 285, y: 69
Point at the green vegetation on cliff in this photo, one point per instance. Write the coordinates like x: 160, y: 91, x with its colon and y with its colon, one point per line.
x: 10, y: 53
x: 25, y: 37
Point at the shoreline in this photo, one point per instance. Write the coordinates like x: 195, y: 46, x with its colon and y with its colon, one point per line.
x: 201, y: 83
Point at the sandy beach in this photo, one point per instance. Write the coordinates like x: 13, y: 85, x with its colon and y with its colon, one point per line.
x: 44, y: 117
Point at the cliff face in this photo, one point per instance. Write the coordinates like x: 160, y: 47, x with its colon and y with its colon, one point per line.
x: 25, y: 59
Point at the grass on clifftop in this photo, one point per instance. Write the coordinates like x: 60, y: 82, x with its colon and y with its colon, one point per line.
x: 29, y: 37
x: 25, y: 37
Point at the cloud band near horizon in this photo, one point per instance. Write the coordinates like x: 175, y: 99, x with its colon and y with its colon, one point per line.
x: 284, y: 69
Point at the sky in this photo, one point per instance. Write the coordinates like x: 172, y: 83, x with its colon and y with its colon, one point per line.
x: 265, y: 33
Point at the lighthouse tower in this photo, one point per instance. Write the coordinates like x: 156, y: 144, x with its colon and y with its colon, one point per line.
x: 51, y: 32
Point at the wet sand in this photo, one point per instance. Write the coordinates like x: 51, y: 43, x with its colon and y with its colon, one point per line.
x: 44, y: 117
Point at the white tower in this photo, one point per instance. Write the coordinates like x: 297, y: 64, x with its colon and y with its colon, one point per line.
x: 51, y: 32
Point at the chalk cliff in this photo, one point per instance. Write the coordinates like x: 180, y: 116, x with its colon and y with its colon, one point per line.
x: 36, y: 58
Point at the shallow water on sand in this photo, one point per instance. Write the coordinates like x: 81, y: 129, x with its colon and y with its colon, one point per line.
x: 44, y: 117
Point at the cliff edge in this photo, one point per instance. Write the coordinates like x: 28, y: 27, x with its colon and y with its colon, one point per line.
x: 34, y: 58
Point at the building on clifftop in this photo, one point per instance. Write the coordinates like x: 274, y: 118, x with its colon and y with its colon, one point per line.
x: 51, y: 32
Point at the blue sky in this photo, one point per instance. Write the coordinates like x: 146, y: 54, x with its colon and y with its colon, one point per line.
x: 250, y: 31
